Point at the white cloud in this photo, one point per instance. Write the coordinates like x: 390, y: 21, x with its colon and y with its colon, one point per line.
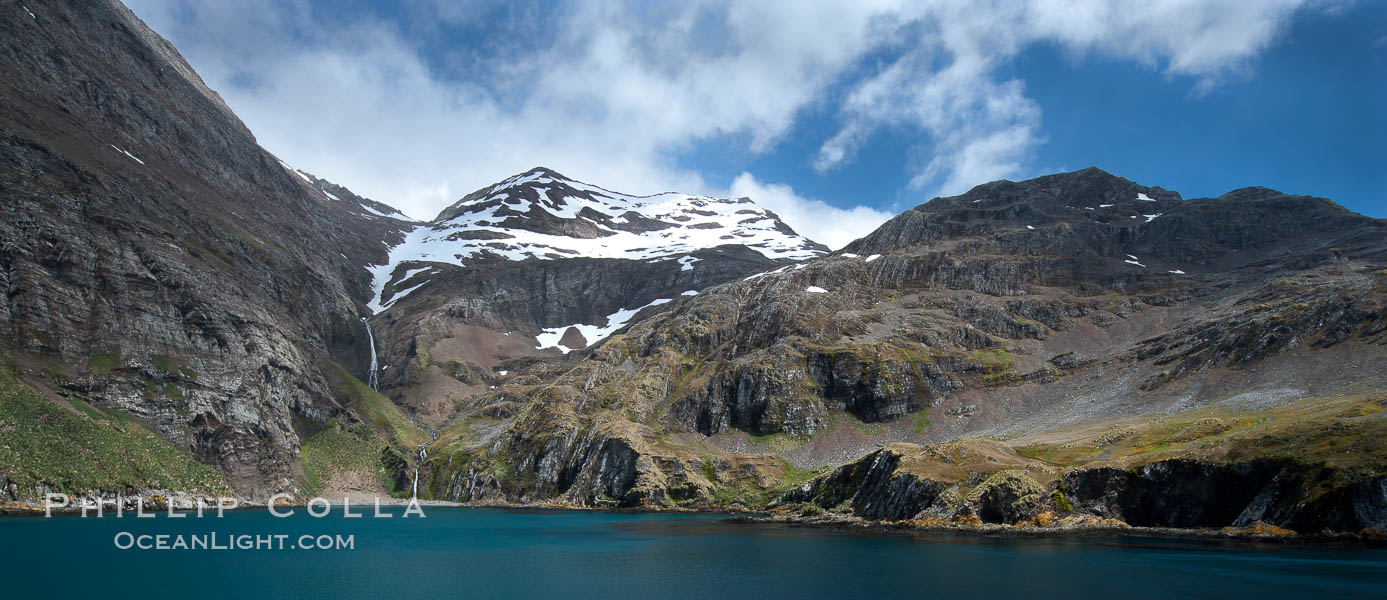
x: 831, y: 226
x: 979, y: 129
x: 608, y: 100
x: 612, y: 94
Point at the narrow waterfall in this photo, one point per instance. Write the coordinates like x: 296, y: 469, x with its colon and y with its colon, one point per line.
x: 371, y: 379
x: 421, y: 454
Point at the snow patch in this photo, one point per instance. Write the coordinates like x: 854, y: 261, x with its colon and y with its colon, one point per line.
x: 690, y: 293
x: 873, y: 257
x: 1177, y: 272
x: 849, y: 255
x: 549, y: 338
x: 399, y: 295
x: 686, y: 263
x: 132, y: 156
x: 1029, y: 227
x: 1150, y: 218
x: 814, y: 289
x: 329, y: 194
x: 764, y: 273
x: 376, y: 212
x: 31, y: 13
x: 1144, y: 197
x: 1104, y: 206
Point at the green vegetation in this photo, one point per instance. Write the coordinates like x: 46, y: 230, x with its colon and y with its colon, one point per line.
x: 922, y: 421
x: 995, y: 358
x: 381, y: 413
x: 777, y: 442
x: 463, y: 434
x: 996, y: 366
x: 172, y: 391
x: 163, y: 363
x: 83, y: 449
x: 746, y: 493
x: 867, y: 429
x: 1061, y: 502
x: 338, y: 450
x: 1341, y: 431
x: 86, y: 409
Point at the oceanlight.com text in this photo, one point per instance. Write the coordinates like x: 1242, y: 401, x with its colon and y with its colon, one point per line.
x: 126, y: 540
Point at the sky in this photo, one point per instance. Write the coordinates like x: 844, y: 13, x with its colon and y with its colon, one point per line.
x: 834, y: 114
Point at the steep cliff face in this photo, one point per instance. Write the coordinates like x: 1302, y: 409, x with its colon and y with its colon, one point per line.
x: 165, y: 264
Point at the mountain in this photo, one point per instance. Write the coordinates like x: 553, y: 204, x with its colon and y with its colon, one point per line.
x: 186, y: 315
x: 1076, y: 322
x: 539, y: 265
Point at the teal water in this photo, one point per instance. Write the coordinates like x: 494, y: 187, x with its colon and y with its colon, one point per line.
x: 483, y: 553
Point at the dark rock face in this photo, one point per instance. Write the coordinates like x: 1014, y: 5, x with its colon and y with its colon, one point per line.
x: 1184, y: 493
x: 1174, y: 493
x: 1278, y: 316
x: 873, y: 486
x: 179, y: 271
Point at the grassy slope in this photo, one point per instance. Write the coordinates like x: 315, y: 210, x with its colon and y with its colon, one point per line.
x: 336, y: 450
x: 1347, y: 431
x: 358, y: 452
x: 382, y: 414
x: 42, y: 443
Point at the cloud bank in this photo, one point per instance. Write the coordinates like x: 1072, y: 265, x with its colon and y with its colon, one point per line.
x: 424, y: 104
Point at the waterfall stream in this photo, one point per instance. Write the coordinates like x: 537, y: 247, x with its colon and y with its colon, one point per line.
x: 421, y: 454
x: 371, y: 379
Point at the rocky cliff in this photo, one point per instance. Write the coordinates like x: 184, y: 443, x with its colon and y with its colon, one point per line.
x: 158, y: 262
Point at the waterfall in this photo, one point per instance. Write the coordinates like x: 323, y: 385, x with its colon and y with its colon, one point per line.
x: 421, y: 454
x: 371, y: 380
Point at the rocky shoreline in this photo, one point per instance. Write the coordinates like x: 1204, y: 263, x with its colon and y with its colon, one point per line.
x: 1079, y: 529
x: 1086, y: 528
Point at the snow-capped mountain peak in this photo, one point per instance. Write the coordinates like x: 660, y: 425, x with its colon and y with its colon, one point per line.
x: 542, y: 215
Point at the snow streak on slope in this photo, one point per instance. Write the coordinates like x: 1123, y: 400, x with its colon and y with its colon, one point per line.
x: 550, y: 337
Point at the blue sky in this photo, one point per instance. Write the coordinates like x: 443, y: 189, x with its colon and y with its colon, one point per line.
x: 836, y: 115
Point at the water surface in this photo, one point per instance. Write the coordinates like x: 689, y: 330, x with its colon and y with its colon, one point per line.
x: 484, y: 553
